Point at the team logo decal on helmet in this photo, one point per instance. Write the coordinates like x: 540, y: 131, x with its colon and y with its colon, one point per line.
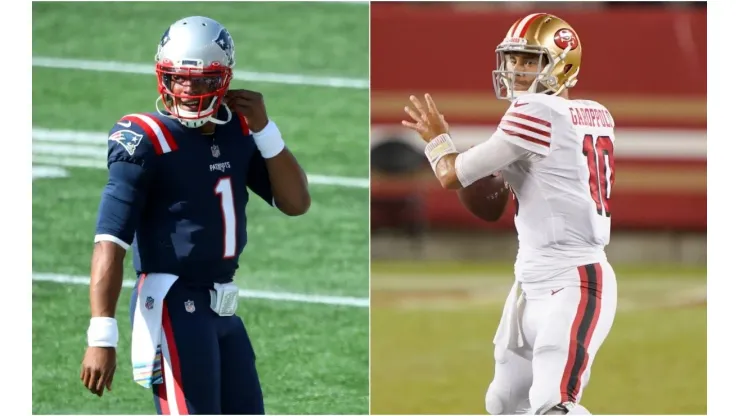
x: 226, y: 43
x: 194, y: 63
x: 564, y: 38
x: 165, y: 38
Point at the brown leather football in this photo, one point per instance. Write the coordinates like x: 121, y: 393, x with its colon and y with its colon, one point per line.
x: 485, y: 198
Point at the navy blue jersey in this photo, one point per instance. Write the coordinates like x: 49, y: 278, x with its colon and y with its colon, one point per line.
x: 179, y: 197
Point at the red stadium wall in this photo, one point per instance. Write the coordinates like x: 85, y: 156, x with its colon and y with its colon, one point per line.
x: 648, y: 66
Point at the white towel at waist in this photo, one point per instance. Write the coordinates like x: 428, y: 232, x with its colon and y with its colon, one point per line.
x: 146, y: 339
x: 509, y: 334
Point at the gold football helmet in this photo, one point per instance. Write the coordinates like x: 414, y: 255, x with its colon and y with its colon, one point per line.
x: 549, y: 39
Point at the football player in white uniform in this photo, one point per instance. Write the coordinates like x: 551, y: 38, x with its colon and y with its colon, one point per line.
x: 557, y: 157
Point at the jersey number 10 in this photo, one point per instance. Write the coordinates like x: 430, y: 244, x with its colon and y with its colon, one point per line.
x: 600, y: 156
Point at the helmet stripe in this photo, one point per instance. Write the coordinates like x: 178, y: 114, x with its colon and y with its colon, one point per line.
x: 525, y: 23
x: 512, y: 29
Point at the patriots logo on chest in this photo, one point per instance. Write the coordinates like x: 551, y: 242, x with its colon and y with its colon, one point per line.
x: 128, y: 139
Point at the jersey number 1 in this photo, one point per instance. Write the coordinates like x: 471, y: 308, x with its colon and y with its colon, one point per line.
x: 225, y: 191
x: 600, y: 156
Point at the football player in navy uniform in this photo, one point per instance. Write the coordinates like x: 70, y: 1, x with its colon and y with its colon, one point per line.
x: 179, y: 181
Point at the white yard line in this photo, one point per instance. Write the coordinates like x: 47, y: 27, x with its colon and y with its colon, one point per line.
x: 148, y: 69
x: 257, y: 294
x: 463, y: 292
x: 88, y: 149
x: 49, y: 172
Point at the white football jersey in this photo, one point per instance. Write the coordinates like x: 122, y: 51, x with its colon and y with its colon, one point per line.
x: 561, y: 194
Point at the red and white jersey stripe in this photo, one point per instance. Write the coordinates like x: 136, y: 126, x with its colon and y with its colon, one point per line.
x: 526, y: 127
x: 156, y: 130
x: 528, y: 124
x: 563, y: 190
x: 244, y: 123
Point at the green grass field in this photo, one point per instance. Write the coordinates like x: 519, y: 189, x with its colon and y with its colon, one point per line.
x: 433, y: 325
x: 313, y: 358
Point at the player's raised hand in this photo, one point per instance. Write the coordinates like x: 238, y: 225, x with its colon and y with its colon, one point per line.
x: 98, y: 368
x: 249, y: 103
x: 429, y: 123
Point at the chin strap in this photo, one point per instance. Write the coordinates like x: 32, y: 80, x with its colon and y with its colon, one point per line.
x: 195, y: 123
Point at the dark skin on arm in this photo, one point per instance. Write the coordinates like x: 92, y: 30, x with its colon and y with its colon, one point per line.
x: 289, y: 188
x: 289, y: 181
x: 106, y: 279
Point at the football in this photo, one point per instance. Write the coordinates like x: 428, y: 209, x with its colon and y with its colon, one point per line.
x: 485, y: 198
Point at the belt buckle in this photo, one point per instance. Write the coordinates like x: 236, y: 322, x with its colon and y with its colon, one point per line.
x: 224, y: 298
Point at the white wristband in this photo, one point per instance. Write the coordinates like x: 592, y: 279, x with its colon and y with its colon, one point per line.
x: 269, y: 141
x: 440, y: 146
x: 102, y: 332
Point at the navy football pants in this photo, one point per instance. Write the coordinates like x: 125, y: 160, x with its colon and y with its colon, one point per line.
x: 213, y: 362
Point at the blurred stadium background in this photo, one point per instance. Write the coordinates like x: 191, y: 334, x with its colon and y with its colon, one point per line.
x: 306, y: 278
x: 440, y: 276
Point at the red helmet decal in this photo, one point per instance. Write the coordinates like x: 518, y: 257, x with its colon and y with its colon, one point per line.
x: 565, y: 37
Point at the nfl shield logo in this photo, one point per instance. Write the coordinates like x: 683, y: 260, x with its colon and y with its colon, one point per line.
x: 149, y: 302
x: 190, y: 306
x: 215, y: 151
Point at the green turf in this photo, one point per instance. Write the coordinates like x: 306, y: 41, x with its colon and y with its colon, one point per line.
x: 326, y: 128
x: 328, y: 257
x: 312, y: 358
x: 299, y: 370
x: 482, y: 268
x: 432, y: 328
x: 306, y: 38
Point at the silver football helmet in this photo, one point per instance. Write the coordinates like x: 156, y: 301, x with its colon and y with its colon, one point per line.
x: 194, y: 64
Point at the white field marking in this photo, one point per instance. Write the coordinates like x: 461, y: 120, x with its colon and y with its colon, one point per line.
x: 148, y: 69
x: 257, y: 294
x: 463, y: 301
x: 87, y: 149
x: 43, y: 172
x: 464, y: 292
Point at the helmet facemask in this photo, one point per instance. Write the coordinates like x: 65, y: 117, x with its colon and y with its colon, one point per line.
x: 194, y: 62
x: 543, y: 80
x: 200, y: 92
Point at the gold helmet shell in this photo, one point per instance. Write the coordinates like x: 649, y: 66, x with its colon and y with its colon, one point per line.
x: 555, y: 42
